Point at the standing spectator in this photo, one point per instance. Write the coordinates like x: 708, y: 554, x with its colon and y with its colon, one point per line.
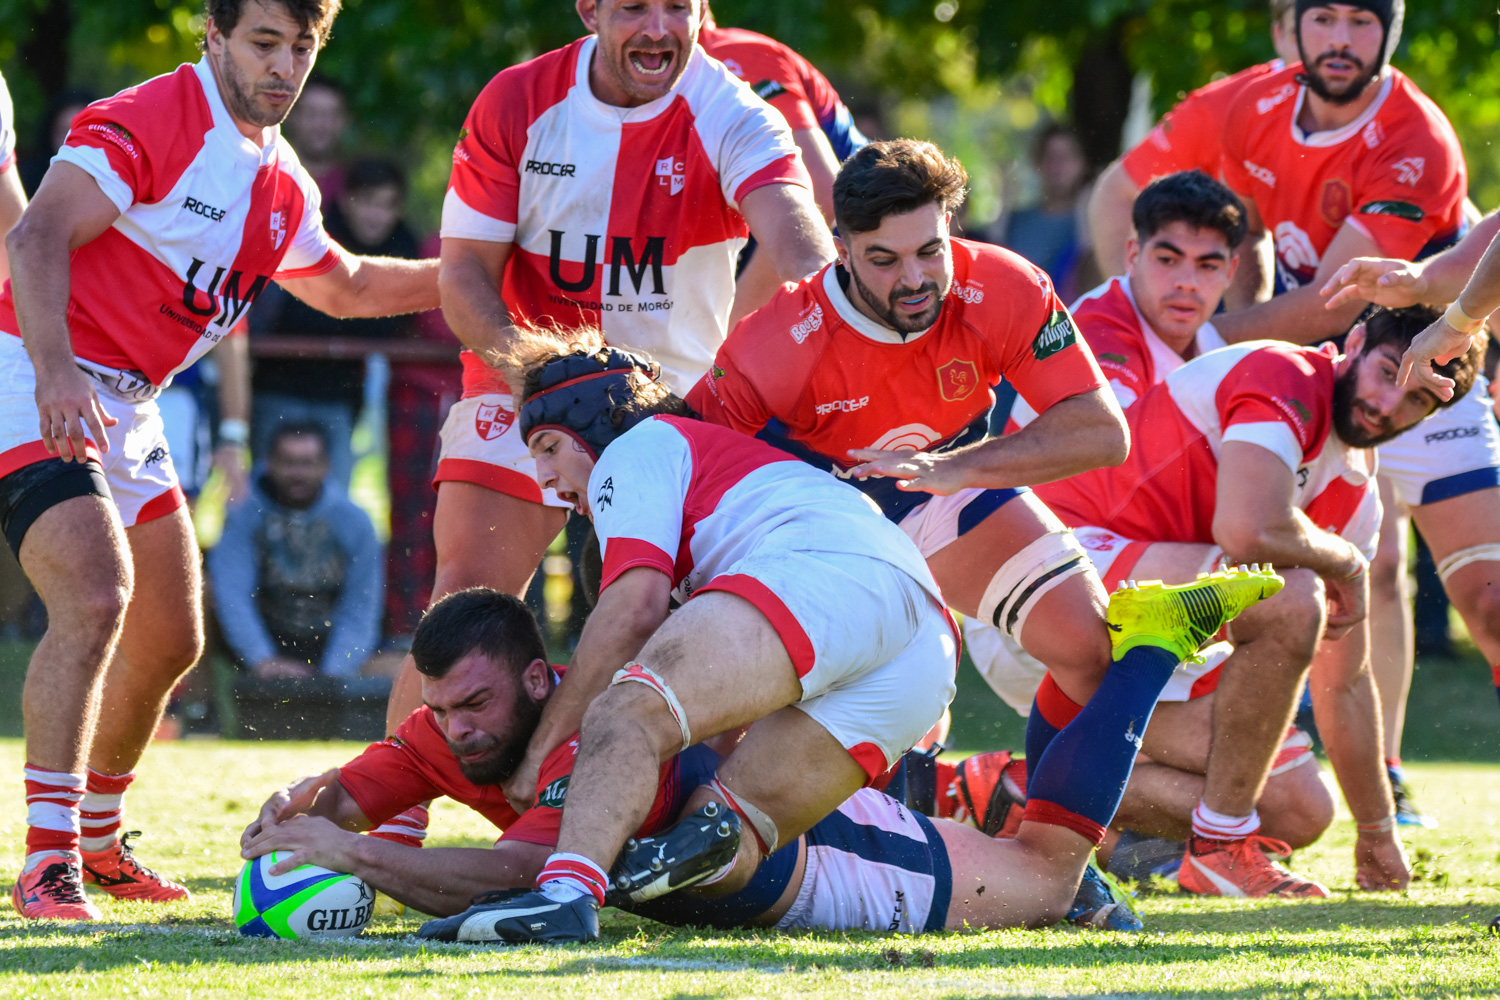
x: 419, y: 398
x: 366, y: 218
x: 298, y: 572
x: 316, y: 130
x: 1053, y: 234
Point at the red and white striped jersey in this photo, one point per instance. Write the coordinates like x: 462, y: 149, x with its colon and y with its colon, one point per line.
x: 7, y: 129
x: 207, y: 217
x: 811, y: 374
x: 1267, y: 393
x: 1396, y: 173
x: 691, y: 499
x: 622, y: 217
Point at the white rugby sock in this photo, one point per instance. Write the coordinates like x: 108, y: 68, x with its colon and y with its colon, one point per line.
x: 1217, y: 826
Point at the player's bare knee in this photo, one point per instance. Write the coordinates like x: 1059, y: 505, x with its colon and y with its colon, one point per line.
x: 626, y: 713
x: 1292, y: 619
x: 1296, y: 807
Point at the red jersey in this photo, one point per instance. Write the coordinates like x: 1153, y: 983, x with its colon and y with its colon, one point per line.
x: 207, y: 217
x: 811, y: 374
x: 1188, y: 137
x: 1396, y: 173
x: 624, y: 218
x: 1267, y: 393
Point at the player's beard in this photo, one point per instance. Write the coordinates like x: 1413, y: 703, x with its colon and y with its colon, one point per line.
x: 885, y: 309
x: 1318, y: 86
x: 239, y: 97
x: 1346, y: 402
x: 508, y: 751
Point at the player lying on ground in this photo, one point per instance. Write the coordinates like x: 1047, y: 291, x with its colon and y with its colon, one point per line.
x: 870, y: 865
x: 162, y: 217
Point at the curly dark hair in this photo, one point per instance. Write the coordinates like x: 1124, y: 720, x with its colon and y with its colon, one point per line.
x: 893, y: 178
x: 1193, y: 197
x: 1399, y: 327
x: 314, y: 15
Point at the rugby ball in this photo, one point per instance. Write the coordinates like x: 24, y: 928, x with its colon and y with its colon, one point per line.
x: 306, y: 902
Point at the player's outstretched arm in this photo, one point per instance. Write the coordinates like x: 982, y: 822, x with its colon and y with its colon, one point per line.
x: 1452, y: 335
x: 629, y: 612
x: 69, y: 210
x: 1110, y: 205
x: 1299, y: 315
x: 1347, y: 710
x: 789, y: 228
x: 370, y: 286
x: 1074, y: 435
x: 1399, y: 283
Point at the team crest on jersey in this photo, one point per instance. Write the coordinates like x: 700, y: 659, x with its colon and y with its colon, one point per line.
x: 491, y: 420
x: 670, y: 173
x: 1409, y: 170
x: 957, y: 380
x: 278, y: 229
x: 1058, y: 333
x: 1337, y: 201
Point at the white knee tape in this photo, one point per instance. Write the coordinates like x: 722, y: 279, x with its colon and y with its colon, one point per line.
x: 1462, y: 558
x: 1028, y: 575
x: 765, y: 827
x: 635, y: 673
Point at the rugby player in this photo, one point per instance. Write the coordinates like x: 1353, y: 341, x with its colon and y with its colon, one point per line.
x: 1186, y: 138
x: 165, y: 213
x: 608, y: 182
x: 1270, y: 462
x: 12, y: 197
x: 780, y: 571
x: 821, y: 125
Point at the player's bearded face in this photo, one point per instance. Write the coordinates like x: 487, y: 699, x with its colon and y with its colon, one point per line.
x: 643, y: 47
x: 262, y: 64
x: 1347, y: 47
x: 500, y: 754
x: 1368, y: 408
x: 902, y: 271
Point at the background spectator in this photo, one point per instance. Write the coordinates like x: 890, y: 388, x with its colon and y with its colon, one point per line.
x: 316, y: 128
x: 50, y: 133
x: 365, y: 219
x: 298, y: 573
x: 1053, y: 233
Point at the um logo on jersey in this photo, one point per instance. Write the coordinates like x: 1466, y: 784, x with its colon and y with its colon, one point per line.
x: 224, y: 300
x: 622, y: 255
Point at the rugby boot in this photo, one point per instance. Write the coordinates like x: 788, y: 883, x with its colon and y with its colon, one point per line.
x: 52, y: 889
x: 1138, y: 857
x: 1407, y: 813
x: 991, y: 792
x: 1242, y: 868
x: 116, y: 871
x: 1183, y: 617
x: 519, y: 916
x: 695, y: 848
x: 1102, y: 903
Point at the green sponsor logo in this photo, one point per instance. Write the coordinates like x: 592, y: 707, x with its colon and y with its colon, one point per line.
x: 768, y: 90
x: 1302, y: 411
x: 1058, y: 333
x: 1117, y: 359
x: 555, y: 794
x: 1400, y: 209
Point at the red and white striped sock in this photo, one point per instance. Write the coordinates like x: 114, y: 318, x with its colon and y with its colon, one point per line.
x: 1217, y: 826
x: 52, y: 799
x: 103, y: 809
x: 408, y: 828
x: 568, y: 876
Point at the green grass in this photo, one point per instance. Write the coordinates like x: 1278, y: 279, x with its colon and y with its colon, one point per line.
x: 193, y: 798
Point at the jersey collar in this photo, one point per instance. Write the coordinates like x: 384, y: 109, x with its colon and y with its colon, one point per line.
x: 1335, y: 136
x: 645, y: 112
x: 858, y: 321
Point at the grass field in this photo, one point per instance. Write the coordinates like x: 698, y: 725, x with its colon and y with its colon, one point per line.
x: 193, y: 798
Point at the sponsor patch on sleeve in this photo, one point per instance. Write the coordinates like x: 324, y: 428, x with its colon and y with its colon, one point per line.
x: 768, y: 90
x: 555, y: 794
x: 1400, y: 209
x: 117, y: 134
x: 1057, y: 333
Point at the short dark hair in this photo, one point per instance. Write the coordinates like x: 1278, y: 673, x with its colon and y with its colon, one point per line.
x: 1397, y: 328
x: 893, y: 178
x: 1193, y: 197
x: 496, y: 624
x: 364, y: 175
x: 300, y: 428
x: 313, y: 15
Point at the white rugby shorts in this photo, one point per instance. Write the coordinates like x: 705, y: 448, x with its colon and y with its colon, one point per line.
x: 1453, y: 452
x: 876, y: 654
x: 481, y: 444
x: 138, y: 466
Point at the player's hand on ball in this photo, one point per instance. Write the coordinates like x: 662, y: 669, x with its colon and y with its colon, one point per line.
x: 295, y: 798
x: 1380, y: 863
x: 1381, y: 280
x: 304, y: 840
x: 913, y: 470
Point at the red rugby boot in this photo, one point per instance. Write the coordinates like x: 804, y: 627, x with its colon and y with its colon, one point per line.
x: 1242, y: 868
x: 991, y: 792
x: 117, y: 872
x: 52, y: 889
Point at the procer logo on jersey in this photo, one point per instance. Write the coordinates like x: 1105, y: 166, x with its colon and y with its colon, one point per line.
x: 671, y: 172
x: 1058, y: 333
x: 550, y: 169
x: 207, y: 211
x: 842, y: 406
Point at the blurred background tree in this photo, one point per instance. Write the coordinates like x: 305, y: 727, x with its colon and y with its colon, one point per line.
x: 974, y: 75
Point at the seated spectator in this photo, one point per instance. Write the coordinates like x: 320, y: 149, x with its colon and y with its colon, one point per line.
x: 298, y: 574
x: 364, y: 219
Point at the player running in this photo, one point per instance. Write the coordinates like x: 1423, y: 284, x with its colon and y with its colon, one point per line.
x: 162, y: 218
x: 609, y: 182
